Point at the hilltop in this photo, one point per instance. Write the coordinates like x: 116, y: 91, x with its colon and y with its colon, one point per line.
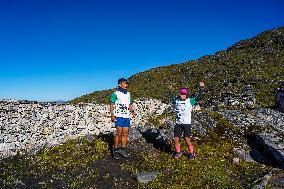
x: 258, y: 61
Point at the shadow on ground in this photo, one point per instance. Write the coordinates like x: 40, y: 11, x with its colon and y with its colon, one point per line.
x: 152, y: 136
x: 108, y: 138
x: 264, y: 153
x: 155, y: 137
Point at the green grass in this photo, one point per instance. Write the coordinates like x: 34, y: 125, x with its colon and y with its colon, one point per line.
x: 69, y: 163
x: 213, y: 167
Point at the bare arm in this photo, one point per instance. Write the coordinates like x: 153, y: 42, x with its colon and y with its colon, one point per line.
x: 200, y: 93
x: 111, y: 112
x: 131, y: 110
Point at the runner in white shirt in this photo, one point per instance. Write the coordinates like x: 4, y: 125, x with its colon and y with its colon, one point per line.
x: 120, y: 109
x: 183, y: 107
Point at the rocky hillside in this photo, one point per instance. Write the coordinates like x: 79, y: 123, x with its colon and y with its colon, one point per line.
x: 31, y: 126
x: 72, y: 145
x: 258, y: 61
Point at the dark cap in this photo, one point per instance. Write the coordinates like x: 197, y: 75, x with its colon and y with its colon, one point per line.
x: 121, y: 80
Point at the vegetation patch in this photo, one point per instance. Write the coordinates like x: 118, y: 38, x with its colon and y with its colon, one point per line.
x: 212, y: 168
x: 67, y: 165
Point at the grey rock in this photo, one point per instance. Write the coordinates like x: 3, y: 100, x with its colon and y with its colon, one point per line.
x: 146, y: 177
x: 239, y: 152
x: 278, y: 182
x: 265, y: 132
x: 42, y: 183
x: 19, y: 182
x: 134, y: 133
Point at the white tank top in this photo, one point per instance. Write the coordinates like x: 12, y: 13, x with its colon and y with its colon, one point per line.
x: 121, y: 106
x: 183, y: 111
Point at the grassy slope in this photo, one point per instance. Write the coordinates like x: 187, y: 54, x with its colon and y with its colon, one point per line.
x: 258, y: 61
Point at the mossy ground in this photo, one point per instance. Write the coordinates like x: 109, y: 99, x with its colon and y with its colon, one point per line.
x: 69, y: 165
x: 212, y: 168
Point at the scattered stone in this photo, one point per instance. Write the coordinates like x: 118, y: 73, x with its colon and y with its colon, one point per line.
x: 146, y: 177
x: 42, y: 183
x: 243, y: 154
x: 269, y: 181
x: 236, y: 161
x: 46, y: 131
x: 279, y: 182
x: 19, y: 182
x: 248, y: 98
x: 245, y: 100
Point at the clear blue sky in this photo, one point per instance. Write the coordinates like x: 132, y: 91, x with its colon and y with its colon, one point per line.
x: 62, y: 49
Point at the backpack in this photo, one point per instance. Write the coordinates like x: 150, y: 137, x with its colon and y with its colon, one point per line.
x: 280, y: 101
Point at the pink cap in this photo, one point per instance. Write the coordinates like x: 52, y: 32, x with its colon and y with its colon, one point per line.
x: 183, y: 91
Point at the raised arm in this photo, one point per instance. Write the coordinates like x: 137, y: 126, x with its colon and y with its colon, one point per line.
x: 199, y: 95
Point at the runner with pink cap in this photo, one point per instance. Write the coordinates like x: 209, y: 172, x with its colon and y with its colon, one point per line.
x: 183, y: 106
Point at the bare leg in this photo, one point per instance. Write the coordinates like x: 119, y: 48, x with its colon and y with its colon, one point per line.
x: 189, y: 145
x: 117, y: 136
x: 124, y: 136
x: 177, y: 144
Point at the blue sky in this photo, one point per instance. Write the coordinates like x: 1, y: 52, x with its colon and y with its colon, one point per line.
x: 62, y: 49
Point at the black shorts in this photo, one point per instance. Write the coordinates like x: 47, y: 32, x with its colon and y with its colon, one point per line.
x: 185, y: 128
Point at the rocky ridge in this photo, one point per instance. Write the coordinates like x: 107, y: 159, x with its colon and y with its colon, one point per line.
x: 30, y: 126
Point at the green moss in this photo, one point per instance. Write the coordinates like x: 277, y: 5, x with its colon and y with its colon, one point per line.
x: 213, y: 168
x: 69, y: 163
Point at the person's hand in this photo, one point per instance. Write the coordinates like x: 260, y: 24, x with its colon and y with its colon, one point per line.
x: 202, y: 83
x: 112, y: 118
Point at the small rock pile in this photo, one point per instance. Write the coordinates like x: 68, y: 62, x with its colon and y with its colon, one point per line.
x: 246, y: 99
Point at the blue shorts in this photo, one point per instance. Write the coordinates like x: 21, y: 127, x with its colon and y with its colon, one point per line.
x: 122, y: 122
